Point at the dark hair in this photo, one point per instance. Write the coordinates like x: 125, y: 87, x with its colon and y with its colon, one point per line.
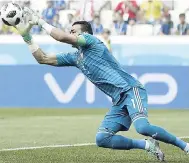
x: 182, y: 15
x: 97, y: 17
x: 107, y: 31
x: 169, y: 15
x: 85, y: 26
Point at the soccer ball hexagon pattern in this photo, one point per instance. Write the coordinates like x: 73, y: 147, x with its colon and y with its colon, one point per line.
x: 11, y: 14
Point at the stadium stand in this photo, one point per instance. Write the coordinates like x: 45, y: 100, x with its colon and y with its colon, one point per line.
x: 80, y: 10
x: 142, y: 30
x: 104, y: 15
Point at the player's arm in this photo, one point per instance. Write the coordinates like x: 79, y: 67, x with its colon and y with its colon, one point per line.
x: 23, y: 28
x: 61, y: 59
x: 60, y: 35
x: 43, y: 58
x: 54, y: 32
x: 40, y: 56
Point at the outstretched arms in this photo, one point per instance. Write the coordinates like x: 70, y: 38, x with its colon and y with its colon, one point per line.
x: 54, y: 32
x: 57, y: 34
x: 61, y: 59
x: 62, y: 36
x: 40, y: 56
x: 67, y: 59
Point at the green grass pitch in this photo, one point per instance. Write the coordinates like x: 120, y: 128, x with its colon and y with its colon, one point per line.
x: 44, y: 127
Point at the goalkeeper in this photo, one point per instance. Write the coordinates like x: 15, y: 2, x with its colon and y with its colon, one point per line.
x: 129, y: 97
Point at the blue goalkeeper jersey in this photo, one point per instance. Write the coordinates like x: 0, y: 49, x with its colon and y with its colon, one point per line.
x: 100, y: 67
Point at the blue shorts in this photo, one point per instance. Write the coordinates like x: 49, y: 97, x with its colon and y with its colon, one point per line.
x: 133, y: 107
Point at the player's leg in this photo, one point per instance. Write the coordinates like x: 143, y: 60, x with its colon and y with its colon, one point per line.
x: 143, y: 127
x: 118, y: 119
x: 106, y: 137
x: 137, y: 108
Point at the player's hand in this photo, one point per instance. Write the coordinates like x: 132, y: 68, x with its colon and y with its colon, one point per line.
x: 25, y: 26
x: 33, y: 17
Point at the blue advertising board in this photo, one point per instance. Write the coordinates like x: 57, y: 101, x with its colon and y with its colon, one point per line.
x: 128, y: 51
x: 37, y: 86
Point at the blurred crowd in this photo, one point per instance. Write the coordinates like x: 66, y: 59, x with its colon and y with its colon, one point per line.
x: 113, y: 17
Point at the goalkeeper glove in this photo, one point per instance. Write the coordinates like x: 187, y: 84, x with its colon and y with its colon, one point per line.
x: 36, y: 20
x: 25, y: 26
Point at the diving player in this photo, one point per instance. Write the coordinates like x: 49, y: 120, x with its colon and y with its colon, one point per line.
x: 129, y: 97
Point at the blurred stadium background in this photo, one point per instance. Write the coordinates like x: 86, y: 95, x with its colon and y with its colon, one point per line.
x: 43, y: 105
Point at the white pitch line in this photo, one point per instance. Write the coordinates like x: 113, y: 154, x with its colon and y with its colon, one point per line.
x: 60, y: 146
x: 184, y: 137
x: 50, y: 146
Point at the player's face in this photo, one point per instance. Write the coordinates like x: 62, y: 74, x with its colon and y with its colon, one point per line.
x: 182, y: 19
x: 76, y: 30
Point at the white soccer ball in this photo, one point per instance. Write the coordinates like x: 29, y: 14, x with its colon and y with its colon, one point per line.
x: 11, y: 14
